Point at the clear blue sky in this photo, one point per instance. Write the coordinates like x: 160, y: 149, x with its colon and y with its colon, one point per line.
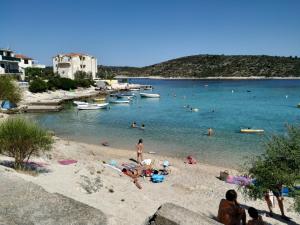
x: 144, y: 32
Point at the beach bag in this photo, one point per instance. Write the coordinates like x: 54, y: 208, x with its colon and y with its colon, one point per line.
x: 223, y: 175
x: 157, y: 178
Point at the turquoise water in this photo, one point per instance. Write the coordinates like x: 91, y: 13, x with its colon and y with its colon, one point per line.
x: 224, y: 105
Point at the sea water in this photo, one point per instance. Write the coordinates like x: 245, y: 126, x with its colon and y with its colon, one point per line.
x: 171, y: 128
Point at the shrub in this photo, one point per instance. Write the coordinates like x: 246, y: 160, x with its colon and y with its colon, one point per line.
x: 67, y: 84
x: 38, y: 85
x: 9, y: 90
x: 21, y: 139
x: 54, y: 83
x: 279, y: 165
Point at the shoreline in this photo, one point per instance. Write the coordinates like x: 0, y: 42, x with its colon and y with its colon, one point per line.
x: 190, y: 186
x: 209, y: 78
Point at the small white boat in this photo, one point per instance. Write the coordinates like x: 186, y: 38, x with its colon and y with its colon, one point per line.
x: 149, y: 95
x: 102, y: 105
x: 252, y: 131
x: 119, y: 101
x: 80, y: 103
x: 88, y: 107
x: 134, y: 89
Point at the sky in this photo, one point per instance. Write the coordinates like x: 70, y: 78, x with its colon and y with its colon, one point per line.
x: 145, y: 32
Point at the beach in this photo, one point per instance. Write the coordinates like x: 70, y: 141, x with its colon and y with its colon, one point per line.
x: 194, y: 187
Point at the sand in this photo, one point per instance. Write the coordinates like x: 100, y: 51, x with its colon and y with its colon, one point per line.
x: 192, y: 186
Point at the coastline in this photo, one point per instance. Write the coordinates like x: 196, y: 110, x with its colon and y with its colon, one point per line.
x: 210, y: 78
x: 190, y: 186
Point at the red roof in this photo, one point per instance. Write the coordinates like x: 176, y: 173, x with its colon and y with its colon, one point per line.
x: 22, y: 56
x: 74, y: 54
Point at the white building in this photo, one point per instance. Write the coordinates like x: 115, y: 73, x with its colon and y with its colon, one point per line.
x: 26, y: 62
x: 66, y: 65
x: 9, y: 64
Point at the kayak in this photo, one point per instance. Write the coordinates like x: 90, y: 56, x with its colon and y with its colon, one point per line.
x: 252, y: 131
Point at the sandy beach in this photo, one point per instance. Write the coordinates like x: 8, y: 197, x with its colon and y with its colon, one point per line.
x: 194, y: 187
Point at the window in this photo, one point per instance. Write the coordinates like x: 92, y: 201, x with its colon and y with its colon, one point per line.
x: 25, y: 61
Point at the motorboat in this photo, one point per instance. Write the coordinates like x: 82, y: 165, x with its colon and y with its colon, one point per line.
x: 88, y: 107
x: 252, y: 131
x: 80, y: 103
x: 99, y: 99
x: 149, y: 95
x: 102, y: 105
x: 119, y: 101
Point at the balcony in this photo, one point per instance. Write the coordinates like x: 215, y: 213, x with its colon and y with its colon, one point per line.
x: 9, y: 58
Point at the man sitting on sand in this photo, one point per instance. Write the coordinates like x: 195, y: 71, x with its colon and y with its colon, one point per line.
x: 230, y: 212
x: 134, y: 175
x: 256, y: 219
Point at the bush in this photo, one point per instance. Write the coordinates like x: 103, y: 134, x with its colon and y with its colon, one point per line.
x: 279, y: 165
x: 54, y: 83
x: 67, y: 84
x: 21, y: 139
x: 9, y: 90
x: 38, y: 85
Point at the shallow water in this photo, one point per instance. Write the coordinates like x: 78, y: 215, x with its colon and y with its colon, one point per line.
x: 171, y: 128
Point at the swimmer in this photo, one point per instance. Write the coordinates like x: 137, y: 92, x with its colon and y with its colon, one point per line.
x: 210, y: 132
x: 142, y: 127
x: 133, y: 125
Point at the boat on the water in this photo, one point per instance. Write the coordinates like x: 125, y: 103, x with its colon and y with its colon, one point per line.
x: 119, y: 101
x: 126, y: 96
x: 102, y: 105
x: 149, y: 95
x: 99, y: 99
x: 80, y: 103
x: 135, y: 89
x: 88, y: 107
x: 252, y: 131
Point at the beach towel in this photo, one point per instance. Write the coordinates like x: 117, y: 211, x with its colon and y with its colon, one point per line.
x: 146, y: 162
x: 239, y: 180
x: 67, y: 161
x: 157, y: 178
x: 129, y: 166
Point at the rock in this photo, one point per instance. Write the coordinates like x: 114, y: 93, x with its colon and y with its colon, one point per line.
x: 171, y: 214
x: 25, y: 203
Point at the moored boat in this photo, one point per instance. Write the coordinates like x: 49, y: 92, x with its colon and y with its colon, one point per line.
x: 119, y: 101
x: 252, y: 131
x: 102, y: 105
x: 149, y: 95
x: 80, y: 103
x: 88, y: 107
x: 99, y: 99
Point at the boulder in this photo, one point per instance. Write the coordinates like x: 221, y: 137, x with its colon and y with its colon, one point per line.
x: 171, y: 214
x: 22, y: 202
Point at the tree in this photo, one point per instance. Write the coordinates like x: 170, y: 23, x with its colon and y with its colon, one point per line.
x: 9, y: 90
x: 21, y: 139
x: 32, y: 73
x: 279, y: 165
x: 38, y: 85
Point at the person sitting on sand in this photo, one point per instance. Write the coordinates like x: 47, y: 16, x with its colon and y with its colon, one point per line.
x: 230, y: 212
x: 139, y: 151
x: 256, y: 219
x: 210, y: 132
x: 133, y: 125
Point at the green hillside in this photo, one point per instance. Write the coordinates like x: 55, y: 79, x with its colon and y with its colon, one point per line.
x: 201, y: 66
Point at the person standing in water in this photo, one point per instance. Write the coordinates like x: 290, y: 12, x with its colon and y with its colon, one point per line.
x: 139, y: 150
x: 210, y: 132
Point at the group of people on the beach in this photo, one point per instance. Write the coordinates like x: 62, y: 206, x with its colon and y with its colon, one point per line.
x: 232, y: 213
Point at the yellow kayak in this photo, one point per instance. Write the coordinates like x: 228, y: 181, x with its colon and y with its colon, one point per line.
x: 251, y: 131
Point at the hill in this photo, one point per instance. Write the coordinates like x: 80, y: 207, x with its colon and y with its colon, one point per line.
x: 201, y: 66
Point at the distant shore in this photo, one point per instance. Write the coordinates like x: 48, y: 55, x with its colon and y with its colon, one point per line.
x: 211, y: 78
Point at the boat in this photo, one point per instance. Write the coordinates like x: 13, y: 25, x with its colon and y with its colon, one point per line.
x: 127, y: 96
x: 102, y: 105
x: 252, y: 131
x: 134, y: 89
x: 149, y: 95
x: 88, y: 107
x: 119, y: 101
x: 80, y: 103
x: 147, y: 87
x: 99, y: 99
